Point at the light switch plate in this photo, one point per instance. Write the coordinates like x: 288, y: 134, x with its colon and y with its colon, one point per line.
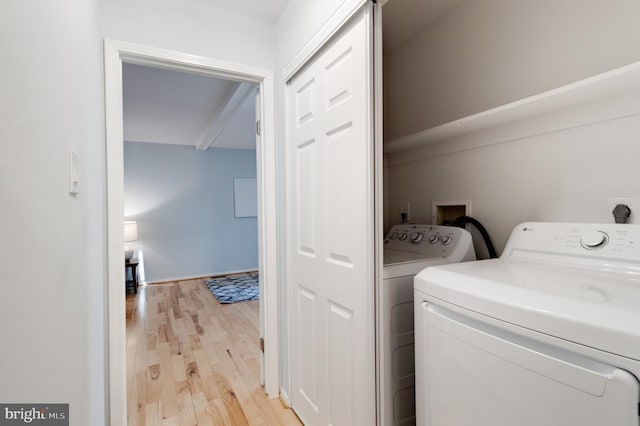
x: 74, y: 174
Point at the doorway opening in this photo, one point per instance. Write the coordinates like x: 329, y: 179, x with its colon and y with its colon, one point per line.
x: 117, y: 53
x: 189, y: 142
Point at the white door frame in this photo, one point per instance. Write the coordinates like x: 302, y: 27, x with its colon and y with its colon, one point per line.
x: 115, y: 53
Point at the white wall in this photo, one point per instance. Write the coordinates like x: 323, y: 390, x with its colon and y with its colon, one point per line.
x: 190, y: 26
x: 183, y: 201
x: 486, y: 53
x: 298, y: 23
x: 51, y: 245
x: 482, y: 54
x: 563, y: 176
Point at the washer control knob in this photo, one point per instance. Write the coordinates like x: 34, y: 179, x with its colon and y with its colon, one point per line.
x: 433, y: 239
x: 402, y: 236
x: 594, y: 240
x: 416, y: 237
x: 446, y: 240
x: 393, y: 235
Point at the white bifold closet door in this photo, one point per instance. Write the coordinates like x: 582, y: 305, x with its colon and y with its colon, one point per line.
x: 330, y: 158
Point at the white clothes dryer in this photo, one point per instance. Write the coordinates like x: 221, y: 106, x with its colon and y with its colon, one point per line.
x: 408, y: 249
x: 548, y: 334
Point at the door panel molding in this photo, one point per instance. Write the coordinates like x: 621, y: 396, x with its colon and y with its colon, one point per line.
x: 331, y: 206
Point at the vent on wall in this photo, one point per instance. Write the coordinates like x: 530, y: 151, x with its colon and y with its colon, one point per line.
x: 445, y: 212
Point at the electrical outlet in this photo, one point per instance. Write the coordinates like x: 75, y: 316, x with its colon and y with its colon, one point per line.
x: 632, y: 202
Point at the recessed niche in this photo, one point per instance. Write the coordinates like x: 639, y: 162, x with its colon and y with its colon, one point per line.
x: 445, y: 212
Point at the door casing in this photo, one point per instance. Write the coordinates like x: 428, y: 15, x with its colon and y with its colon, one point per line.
x: 115, y: 53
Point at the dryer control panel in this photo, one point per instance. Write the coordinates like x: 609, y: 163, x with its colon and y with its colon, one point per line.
x: 579, y: 243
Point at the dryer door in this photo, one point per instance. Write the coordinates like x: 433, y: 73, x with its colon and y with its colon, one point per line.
x: 470, y: 373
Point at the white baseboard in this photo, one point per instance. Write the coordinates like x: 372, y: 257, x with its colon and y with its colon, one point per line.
x: 194, y: 277
x: 284, y: 399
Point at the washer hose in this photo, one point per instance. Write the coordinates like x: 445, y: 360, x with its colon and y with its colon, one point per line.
x: 463, y: 220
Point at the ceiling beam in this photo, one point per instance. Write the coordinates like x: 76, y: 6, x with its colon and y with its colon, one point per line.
x: 222, y: 119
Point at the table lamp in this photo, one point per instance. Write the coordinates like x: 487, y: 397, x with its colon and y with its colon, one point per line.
x: 130, y: 234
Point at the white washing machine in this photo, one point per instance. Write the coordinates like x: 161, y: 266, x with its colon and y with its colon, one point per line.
x: 549, y: 334
x: 408, y: 249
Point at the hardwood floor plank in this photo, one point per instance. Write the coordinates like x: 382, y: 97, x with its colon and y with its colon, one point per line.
x: 187, y: 416
x: 203, y: 412
x: 169, y: 397
x: 192, y: 361
x: 137, y: 403
x: 171, y: 422
x: 153, y: 414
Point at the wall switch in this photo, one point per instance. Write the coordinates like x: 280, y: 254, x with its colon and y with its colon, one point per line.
x: 632, y: 202
x: 74, y: 174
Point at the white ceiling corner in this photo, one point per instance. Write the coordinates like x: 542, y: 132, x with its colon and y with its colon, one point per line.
x: 403, y: 19
x: 264, y: 10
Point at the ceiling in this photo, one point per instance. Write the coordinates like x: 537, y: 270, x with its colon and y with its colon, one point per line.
x: 181, y: 108
x: 264, y: 10
x: 175, y: 107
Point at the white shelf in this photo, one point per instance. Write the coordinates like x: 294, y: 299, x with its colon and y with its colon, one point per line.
x: 590, y: 89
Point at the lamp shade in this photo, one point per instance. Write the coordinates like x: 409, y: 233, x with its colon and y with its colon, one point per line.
x: 130, y: 230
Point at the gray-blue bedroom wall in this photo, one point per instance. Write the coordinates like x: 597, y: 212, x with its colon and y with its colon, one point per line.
x: 183, y: 201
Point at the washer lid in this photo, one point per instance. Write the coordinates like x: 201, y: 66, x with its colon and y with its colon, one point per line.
x: 599, y: 308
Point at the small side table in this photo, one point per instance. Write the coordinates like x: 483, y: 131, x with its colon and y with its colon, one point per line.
x: 133, y: 264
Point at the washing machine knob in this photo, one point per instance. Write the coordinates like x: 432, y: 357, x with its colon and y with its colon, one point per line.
x: 416, y: 237
x: 402, y: 237
x: 594, y: 240
x: 393, y: 235
x: 446, y: 240
x: 433, y: 239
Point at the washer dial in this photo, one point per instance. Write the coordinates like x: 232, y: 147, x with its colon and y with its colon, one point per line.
x: 446, y: 240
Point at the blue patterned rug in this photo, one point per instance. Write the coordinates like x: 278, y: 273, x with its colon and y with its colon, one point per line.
x: 235, y: 288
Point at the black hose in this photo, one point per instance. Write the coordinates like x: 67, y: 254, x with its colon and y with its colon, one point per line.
x: 463, y: 220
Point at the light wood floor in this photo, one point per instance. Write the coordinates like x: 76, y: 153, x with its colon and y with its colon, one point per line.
x: 193, y: 361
